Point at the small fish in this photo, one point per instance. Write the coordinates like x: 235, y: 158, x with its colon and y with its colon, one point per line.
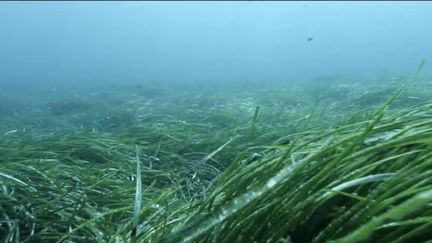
x: 310, y: 39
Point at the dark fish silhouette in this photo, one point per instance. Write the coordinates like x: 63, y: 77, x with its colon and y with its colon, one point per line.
x: 310, y: 39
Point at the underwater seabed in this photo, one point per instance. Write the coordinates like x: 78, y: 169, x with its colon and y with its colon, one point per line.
x: 328, y: 161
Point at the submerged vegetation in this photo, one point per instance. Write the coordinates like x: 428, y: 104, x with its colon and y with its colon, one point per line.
x: 337, y: 160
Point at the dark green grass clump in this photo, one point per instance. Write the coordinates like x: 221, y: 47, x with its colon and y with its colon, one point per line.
x: 367, y: 181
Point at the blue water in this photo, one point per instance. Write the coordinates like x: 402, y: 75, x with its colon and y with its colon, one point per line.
x: 58, y: 43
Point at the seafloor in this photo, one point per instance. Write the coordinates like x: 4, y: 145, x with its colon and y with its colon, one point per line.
x: 340, y: 159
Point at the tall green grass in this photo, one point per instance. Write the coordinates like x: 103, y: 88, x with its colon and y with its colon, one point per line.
x: 197, y: 168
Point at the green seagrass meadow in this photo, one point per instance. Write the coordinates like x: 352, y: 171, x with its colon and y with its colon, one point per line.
x: 335, y: 160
